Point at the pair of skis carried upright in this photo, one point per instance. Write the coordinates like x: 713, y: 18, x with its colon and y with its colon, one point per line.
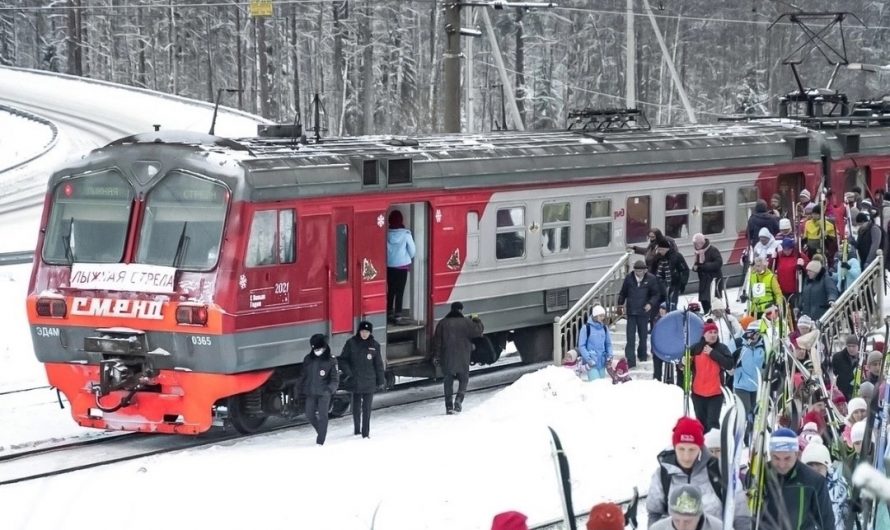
x: 732, y: 438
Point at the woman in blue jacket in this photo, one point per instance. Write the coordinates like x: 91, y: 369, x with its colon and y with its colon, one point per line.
x: 745, y: 378
x: 595, y: 344
x: 400, y: 250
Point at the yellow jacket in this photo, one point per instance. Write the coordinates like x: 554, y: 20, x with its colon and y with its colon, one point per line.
x: 764, y: 290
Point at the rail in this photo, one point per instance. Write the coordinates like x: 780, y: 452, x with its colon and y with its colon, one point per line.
x: 581, y: 518
x: 54, y: 138
x: 604, y: 292
x: 859, y: 309
x: 16, y: 258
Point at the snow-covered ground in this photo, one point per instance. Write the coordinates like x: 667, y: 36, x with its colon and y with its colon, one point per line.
x: 18, y: 366
x: 29, y: 138
x: 424, y: 470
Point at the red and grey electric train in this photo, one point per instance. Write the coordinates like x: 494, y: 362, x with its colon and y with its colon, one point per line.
x: 179, y: 275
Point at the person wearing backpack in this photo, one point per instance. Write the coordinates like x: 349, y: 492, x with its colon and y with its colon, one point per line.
x: 595, y: 344
x: 690, y: 463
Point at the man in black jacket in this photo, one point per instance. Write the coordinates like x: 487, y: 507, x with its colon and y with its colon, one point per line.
x: 639, y: 294
x: 708, y: 264
x: 319, y: 380
x: 362, y: 367
x: 844, y: 364
x: 673, y: 273
x: 795, y: 496
x: 452, y: 346
x: 761, y: 219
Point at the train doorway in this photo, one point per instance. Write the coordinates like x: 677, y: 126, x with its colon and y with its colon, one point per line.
x: 407, y: 293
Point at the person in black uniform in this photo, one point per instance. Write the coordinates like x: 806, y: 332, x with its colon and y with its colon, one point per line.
x: 318, y: 382
x: 362, y: 368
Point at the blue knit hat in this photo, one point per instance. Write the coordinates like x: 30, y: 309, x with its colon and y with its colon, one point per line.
x: 784, y: 440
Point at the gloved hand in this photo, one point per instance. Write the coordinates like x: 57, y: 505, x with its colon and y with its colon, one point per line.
x: 743, y: 298
x: 845, y: 265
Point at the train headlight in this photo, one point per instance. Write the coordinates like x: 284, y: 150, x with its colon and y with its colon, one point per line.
x: 192, y: 315
x: 52, y: 307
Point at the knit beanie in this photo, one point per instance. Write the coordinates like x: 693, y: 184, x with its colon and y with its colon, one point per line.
x: 509, y: 521
x: 816, y: 453
x: 685, y: 500
x: 688, y: 430
x: 784, y: 440
x: 814, y: 266
x: 606, y: 516
x: 712, y: 439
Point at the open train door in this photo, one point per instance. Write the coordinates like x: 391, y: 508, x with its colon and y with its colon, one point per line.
x: 341, y: 297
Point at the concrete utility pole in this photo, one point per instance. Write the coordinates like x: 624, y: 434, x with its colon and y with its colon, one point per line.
x: 630, y: 75
x: 468, y: 83
x: 499, y: 61
x: 452, y: 66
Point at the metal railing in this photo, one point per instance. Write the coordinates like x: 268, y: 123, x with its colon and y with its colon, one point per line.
x: 604, y: 292
x: 15, y: 258
x: 581, y: 517
x: 859, y: 309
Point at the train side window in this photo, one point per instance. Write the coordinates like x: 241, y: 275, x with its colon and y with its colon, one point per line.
x: 676, y: 215
x: 597, y: 224
x: 556, y: 228
x: 342, y: 253
x: 713, y: 212
x: 639, y: 221
x: 286, y: 247
x: 747, y: 198
x: 510, y: 233
x: 472, y: 238
x: 262, y: 243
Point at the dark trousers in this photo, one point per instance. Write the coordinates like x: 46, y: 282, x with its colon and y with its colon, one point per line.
x: 749, y: 400
x: 395, y: 290
x: 463, y: 377
x: 707, y: 410
x: 361, y: 412
x: 637, y: 325
x: 317, y: 413
x: 658, y: 368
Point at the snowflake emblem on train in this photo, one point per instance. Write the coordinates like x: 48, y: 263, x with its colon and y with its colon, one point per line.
x: 438, y: 215
x: 242, y: 281
x: 380, y: 220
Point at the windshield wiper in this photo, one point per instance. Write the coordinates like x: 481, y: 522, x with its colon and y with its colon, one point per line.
x: 182, y: 246
x: 66, y: 242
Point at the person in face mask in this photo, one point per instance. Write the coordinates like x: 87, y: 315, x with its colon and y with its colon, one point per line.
x: 319, y: 380
x: 362, y: 367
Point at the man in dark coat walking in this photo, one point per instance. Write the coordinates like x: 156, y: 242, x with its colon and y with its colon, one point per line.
x: 709, y: 266
x: 639, y: 294
x: 319, y: 380
x: 761, y: 219
x: 452, y: 346
x: 362, y: 367
x: 844, y: 364
x: 673, y: 273
x: 819, y: 291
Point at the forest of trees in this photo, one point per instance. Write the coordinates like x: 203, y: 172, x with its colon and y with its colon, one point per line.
x: 377, y: 64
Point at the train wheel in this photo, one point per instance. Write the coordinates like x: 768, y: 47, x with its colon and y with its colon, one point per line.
x: 241, y: 420
x: 535, y: 344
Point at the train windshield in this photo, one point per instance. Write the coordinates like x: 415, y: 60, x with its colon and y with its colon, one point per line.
x: 183, y: 222
x: 89, y: 219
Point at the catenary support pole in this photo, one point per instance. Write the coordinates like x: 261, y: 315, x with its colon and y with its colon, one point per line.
x: 452, y: 66
x: 690, y: 113
x: 630, y: 73
x: 512, y: 109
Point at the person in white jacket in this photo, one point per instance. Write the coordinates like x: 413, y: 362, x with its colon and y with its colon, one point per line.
x: 687, y: 512
x: 767, y: 247
x: 727, y: 325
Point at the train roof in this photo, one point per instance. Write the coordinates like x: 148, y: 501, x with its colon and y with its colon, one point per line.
x: 280, y: 168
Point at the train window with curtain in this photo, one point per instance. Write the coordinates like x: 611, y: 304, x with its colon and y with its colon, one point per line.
x: 556, y: 228
x: 747, y: 198
x: 472, y: 238
x: 676, y: 215
x: 286, y: 243
x: 639, y: 220
x: 262, y: 243
x: 713, y: 212
x: 510, y: 233
x: 597, y: 224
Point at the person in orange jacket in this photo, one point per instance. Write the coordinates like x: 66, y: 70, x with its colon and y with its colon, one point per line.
x: 709, y: 359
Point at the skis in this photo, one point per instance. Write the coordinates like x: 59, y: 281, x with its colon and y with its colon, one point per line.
x: 630, y: 516
x: 565, y: 479
x: 732, y: 433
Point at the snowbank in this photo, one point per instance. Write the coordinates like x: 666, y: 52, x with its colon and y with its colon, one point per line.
x: 25, y: 138
x: 18, y: 365
x: 420, y: 470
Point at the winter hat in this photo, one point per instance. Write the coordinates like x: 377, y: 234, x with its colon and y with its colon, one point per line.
x: 718, y: 304
x: 788, y: 243
x: 816, y: 453
x: 878, y: 345
x: 809, y: 432
x: 866, y: 390
x: 663, y: 243
x: 805, y: 194
x: 816, y: 209
x: 852, y: 340
x: 753, y: 327
x: 855, y: 404
x: 814, y: 266
x: 838, y: 399
x: 509, y: 521
x: 861, y: 217
x: 639, y: 264
x: 597, y: 310
x: 688, y: 430
x: 364, y: 325
x: 712, y: 439
x: 808, y: 209
x: 874, y: 356
x: 783, y: 440
x: 857, y: 433
x: 764, y: 232
x: 318, y: 341
x: 606, y: 516
x: 849, y: 196
x: 806, y: 322
x: 814, y: 417
x: 784, y: 224
x: 710, y: 326
x: 685, y: 500
x: 698, y: 239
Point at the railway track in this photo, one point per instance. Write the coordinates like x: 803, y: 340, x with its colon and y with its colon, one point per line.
x: 112, y: 448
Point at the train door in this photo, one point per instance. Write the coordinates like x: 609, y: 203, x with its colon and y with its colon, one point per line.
x: 341, y: 295
x: 639, y: 219
x: 408, y: 326
x: 789, y: 186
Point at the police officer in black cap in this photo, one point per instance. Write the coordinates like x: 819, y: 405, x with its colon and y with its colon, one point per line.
x: 319, y: 380
x: 362, y: 367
